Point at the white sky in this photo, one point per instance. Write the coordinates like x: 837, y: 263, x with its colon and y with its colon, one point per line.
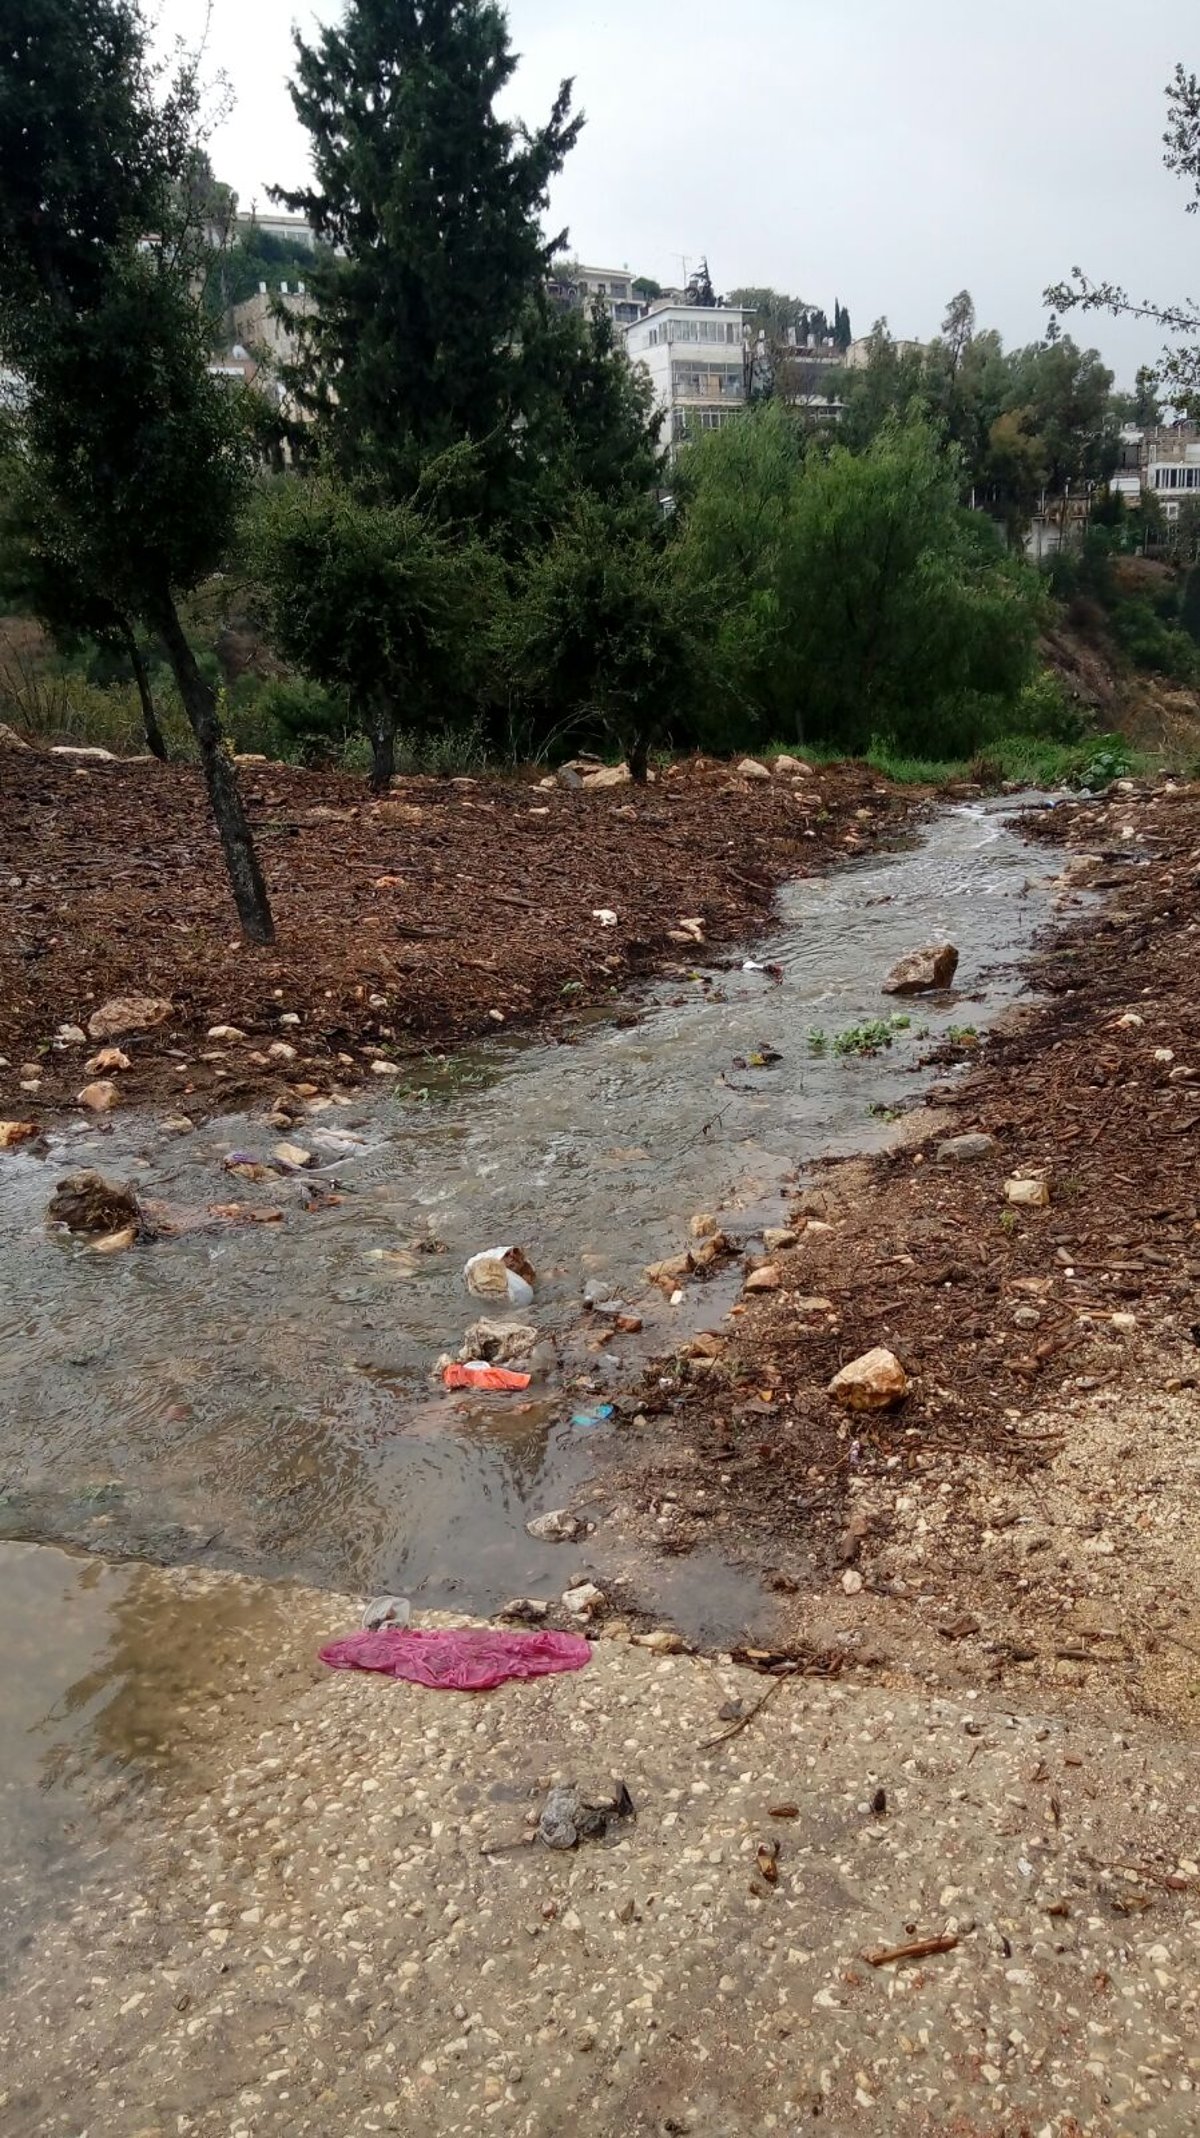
x: 887, y: 152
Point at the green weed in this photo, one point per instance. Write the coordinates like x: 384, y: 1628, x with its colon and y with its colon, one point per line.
x: 871, y: 1037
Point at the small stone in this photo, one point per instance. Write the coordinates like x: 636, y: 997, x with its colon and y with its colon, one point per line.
x: 766, y: 1279
x: 381, y: 1068
x: 499, y: 1342
x: 280, y: 1051
x: 128, y: 1013
x: 923, y: 970
x: 106, y: 1061
x: 585, y: 1600
x: 559, y: 1526
x: 791, y: 767
x: 115, y: 1243
x: 13, y: 1133
x: 1031, y: 1194
x: 852, y: 1581
x: 751, y: 768
x: 70, y: 1035
x: 663, y: 1640
x: 778, y: 1237
x: 525, y: 1607
x: 703, y: 1225
x: 99, y: 1098
x: 876, y: 1381
x: 668, y: 1273
x: 292, y: 1156
x: 225, y: 1031
x: 976, y: 1145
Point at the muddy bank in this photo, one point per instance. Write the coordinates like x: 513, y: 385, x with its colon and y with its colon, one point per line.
x: 1027, y: 1510
x: 449, y: 910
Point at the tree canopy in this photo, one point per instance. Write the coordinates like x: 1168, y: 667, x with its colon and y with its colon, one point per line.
x: 427, y: 203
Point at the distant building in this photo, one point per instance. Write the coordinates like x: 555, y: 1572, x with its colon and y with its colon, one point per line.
x: 1165, y: 460
x: 257, y: 326
x: 696, y: 359
x: 274, y: 226
x: 858, y: 355
x: 581, y: 288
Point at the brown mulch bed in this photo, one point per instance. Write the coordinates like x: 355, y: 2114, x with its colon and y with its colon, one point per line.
x: 993, y: 1311
x: 452, y: 909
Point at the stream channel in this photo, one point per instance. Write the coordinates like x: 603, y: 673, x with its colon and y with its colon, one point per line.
x: 263, y: 1397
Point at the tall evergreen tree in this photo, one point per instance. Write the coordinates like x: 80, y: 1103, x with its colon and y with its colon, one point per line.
x: 416, y: 339
x: 136, y: 456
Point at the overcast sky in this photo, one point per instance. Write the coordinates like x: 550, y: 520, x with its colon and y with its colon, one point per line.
x: 887, y: 152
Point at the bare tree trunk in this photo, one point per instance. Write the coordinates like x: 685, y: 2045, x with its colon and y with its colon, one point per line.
x: 141, y: 676
x: 220, y: 777
x: 383, y: 745
x: 638, y: 757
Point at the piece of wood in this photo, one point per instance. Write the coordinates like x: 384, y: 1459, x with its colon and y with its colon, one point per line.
x: 707, y: 1743
x: 917, y: 1949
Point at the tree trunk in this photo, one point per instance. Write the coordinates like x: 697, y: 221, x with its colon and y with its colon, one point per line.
x: 383, y: 746
x: 141, y: 676
x: 638, y: 755
x: 220, y: 777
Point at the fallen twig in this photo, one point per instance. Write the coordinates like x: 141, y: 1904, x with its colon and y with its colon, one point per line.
x: 917, y: 1949
x: 706, y: 1743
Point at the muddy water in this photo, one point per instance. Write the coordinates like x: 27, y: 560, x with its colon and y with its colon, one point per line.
x: 261, y: 1396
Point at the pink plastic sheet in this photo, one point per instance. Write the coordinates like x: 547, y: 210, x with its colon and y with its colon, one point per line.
x: 468, y: 1659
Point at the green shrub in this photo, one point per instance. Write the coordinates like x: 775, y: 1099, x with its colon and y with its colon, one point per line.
x: 1044, y: 709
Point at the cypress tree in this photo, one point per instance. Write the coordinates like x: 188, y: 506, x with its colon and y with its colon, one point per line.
x: 429, y: 203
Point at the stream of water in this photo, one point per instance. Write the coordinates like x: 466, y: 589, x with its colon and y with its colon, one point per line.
x: 262, y: 1395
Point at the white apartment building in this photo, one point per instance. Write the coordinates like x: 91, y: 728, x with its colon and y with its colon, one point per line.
x: 695, y: 358
x: 1165, y: 461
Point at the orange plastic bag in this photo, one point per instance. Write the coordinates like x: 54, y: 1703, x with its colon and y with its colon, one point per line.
x: 478, y: 1375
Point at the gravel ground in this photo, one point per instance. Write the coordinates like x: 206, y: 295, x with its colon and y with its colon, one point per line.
x: 315, y: 1911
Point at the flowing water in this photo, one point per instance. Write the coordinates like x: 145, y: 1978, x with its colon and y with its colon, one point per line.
x: 263, y: 1396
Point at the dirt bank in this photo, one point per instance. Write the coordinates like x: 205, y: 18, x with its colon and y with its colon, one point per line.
x: 1029, y: 1511
x: 451, y: 909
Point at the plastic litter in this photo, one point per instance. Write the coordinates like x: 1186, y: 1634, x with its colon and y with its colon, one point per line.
x: 478, y: 1374
x: 386, y: 1611
x: 598, y: 1415
x: 605, y: 915
x: 500, y: 1273
x: 460, y: 1659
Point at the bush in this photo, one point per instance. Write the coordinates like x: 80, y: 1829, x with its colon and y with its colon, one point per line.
x: 312, y: 724
x: 1152, y: 643
x: 1044, y: 709
x: 852, y: 594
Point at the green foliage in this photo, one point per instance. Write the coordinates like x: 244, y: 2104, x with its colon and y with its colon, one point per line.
x: 1026, y: 420
x: 427, y: 203
x: 1110, y: 759
x: 1189, y: 606
x: 853, y: 598
x: 604, y: 637
x: 384, y: 609
x: 314, y: 724
x: 870, y: 1037
x: 1043, y: 709
x: 1152, y: 643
